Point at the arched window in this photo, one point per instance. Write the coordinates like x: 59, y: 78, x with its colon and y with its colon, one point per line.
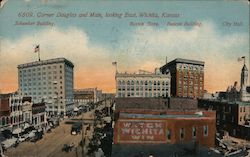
x: 7, y: 120
x: 128, y: 83
x: 141, y: 83
x: 119, y: 82
x: 123, y: 82
x: 132, y: 82
x: 150, y: 83
x: 3, y: 121
x: 146, y: 82
x: 137, y: 83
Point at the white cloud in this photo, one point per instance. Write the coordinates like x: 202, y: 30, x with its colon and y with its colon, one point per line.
x: 72, y: 44
x: 145, y: 48
x: 148, y: 47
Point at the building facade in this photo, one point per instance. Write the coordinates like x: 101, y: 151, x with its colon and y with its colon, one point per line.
x: 187, y: 77
x: 15, y: 111
x: 88, y: 95
x: 49, y: 81
x: 4, y: 111
x: 142, y: 84
x: 232, y: 117
x: 39, y: 115
x: 154, y: 127
x: 27, y: 109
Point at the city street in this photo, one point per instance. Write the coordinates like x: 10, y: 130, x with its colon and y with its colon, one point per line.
x: 52, y: 143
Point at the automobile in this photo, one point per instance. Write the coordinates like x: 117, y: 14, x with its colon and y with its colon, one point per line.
x: 76, y: 129
x: 38, y: 136
x: 23, y: 137
x: 9, y: 143
x: 67, y: 147
x: 32, y: 134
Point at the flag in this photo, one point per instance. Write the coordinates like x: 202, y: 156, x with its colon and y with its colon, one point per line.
x: 241, y: 58
x: 37, y: 48
x: 114, y: 63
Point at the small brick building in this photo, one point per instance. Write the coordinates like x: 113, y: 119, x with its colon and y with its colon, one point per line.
x: 135, y: 126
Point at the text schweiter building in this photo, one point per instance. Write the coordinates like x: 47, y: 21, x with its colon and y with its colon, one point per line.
x: 50, y: 81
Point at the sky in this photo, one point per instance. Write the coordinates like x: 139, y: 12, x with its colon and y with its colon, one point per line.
x: 216, y: 32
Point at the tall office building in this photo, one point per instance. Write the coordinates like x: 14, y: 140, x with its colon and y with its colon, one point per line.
x: 143, y: 84
x: 49, y: 81
x: 187, y: 77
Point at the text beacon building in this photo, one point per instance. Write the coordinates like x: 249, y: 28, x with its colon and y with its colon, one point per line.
x: 143, y: 84
x: 187, y: 77
x: 49, y: 81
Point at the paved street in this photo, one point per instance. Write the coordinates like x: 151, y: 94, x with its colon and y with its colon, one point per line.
x: 52, y: 143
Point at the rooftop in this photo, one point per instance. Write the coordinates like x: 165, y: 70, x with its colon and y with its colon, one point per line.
x: 44, y: 62
x: 133, y: 115
x: 181, y: 60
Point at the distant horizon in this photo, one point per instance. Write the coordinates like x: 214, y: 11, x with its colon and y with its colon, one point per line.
x: 112, y: 90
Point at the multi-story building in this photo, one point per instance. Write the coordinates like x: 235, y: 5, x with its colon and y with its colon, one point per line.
x: 233, y: 117
x: 84, y: 96
x: 49, y: 81
x: 27, y: 109
x: 16, y: 113
x: 39, y: 115
x: 4, y: 111
x: 142, y: 84
x: 187, y: 77
x: 15, y: 110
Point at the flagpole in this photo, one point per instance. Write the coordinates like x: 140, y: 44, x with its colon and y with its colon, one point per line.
x: 116, y: 68
x: 39, y: 55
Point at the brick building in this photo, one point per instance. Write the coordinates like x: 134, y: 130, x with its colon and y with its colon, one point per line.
x: 147, y: 126
x: 172, y: 103
x: 187, y: 77
x: 4, y: 111
x: 232, y: 117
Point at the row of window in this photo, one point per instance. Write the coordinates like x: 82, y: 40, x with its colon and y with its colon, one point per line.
x: 40, y: 78
x: 141, y: 89
x: 242, y: 109
x: 39, y: 68
x: 132, y: 94
x: 40, y: 88
x: 142, y: 82
x: 194, y: 132
x: 11, y: 120
x: 39, y: 73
